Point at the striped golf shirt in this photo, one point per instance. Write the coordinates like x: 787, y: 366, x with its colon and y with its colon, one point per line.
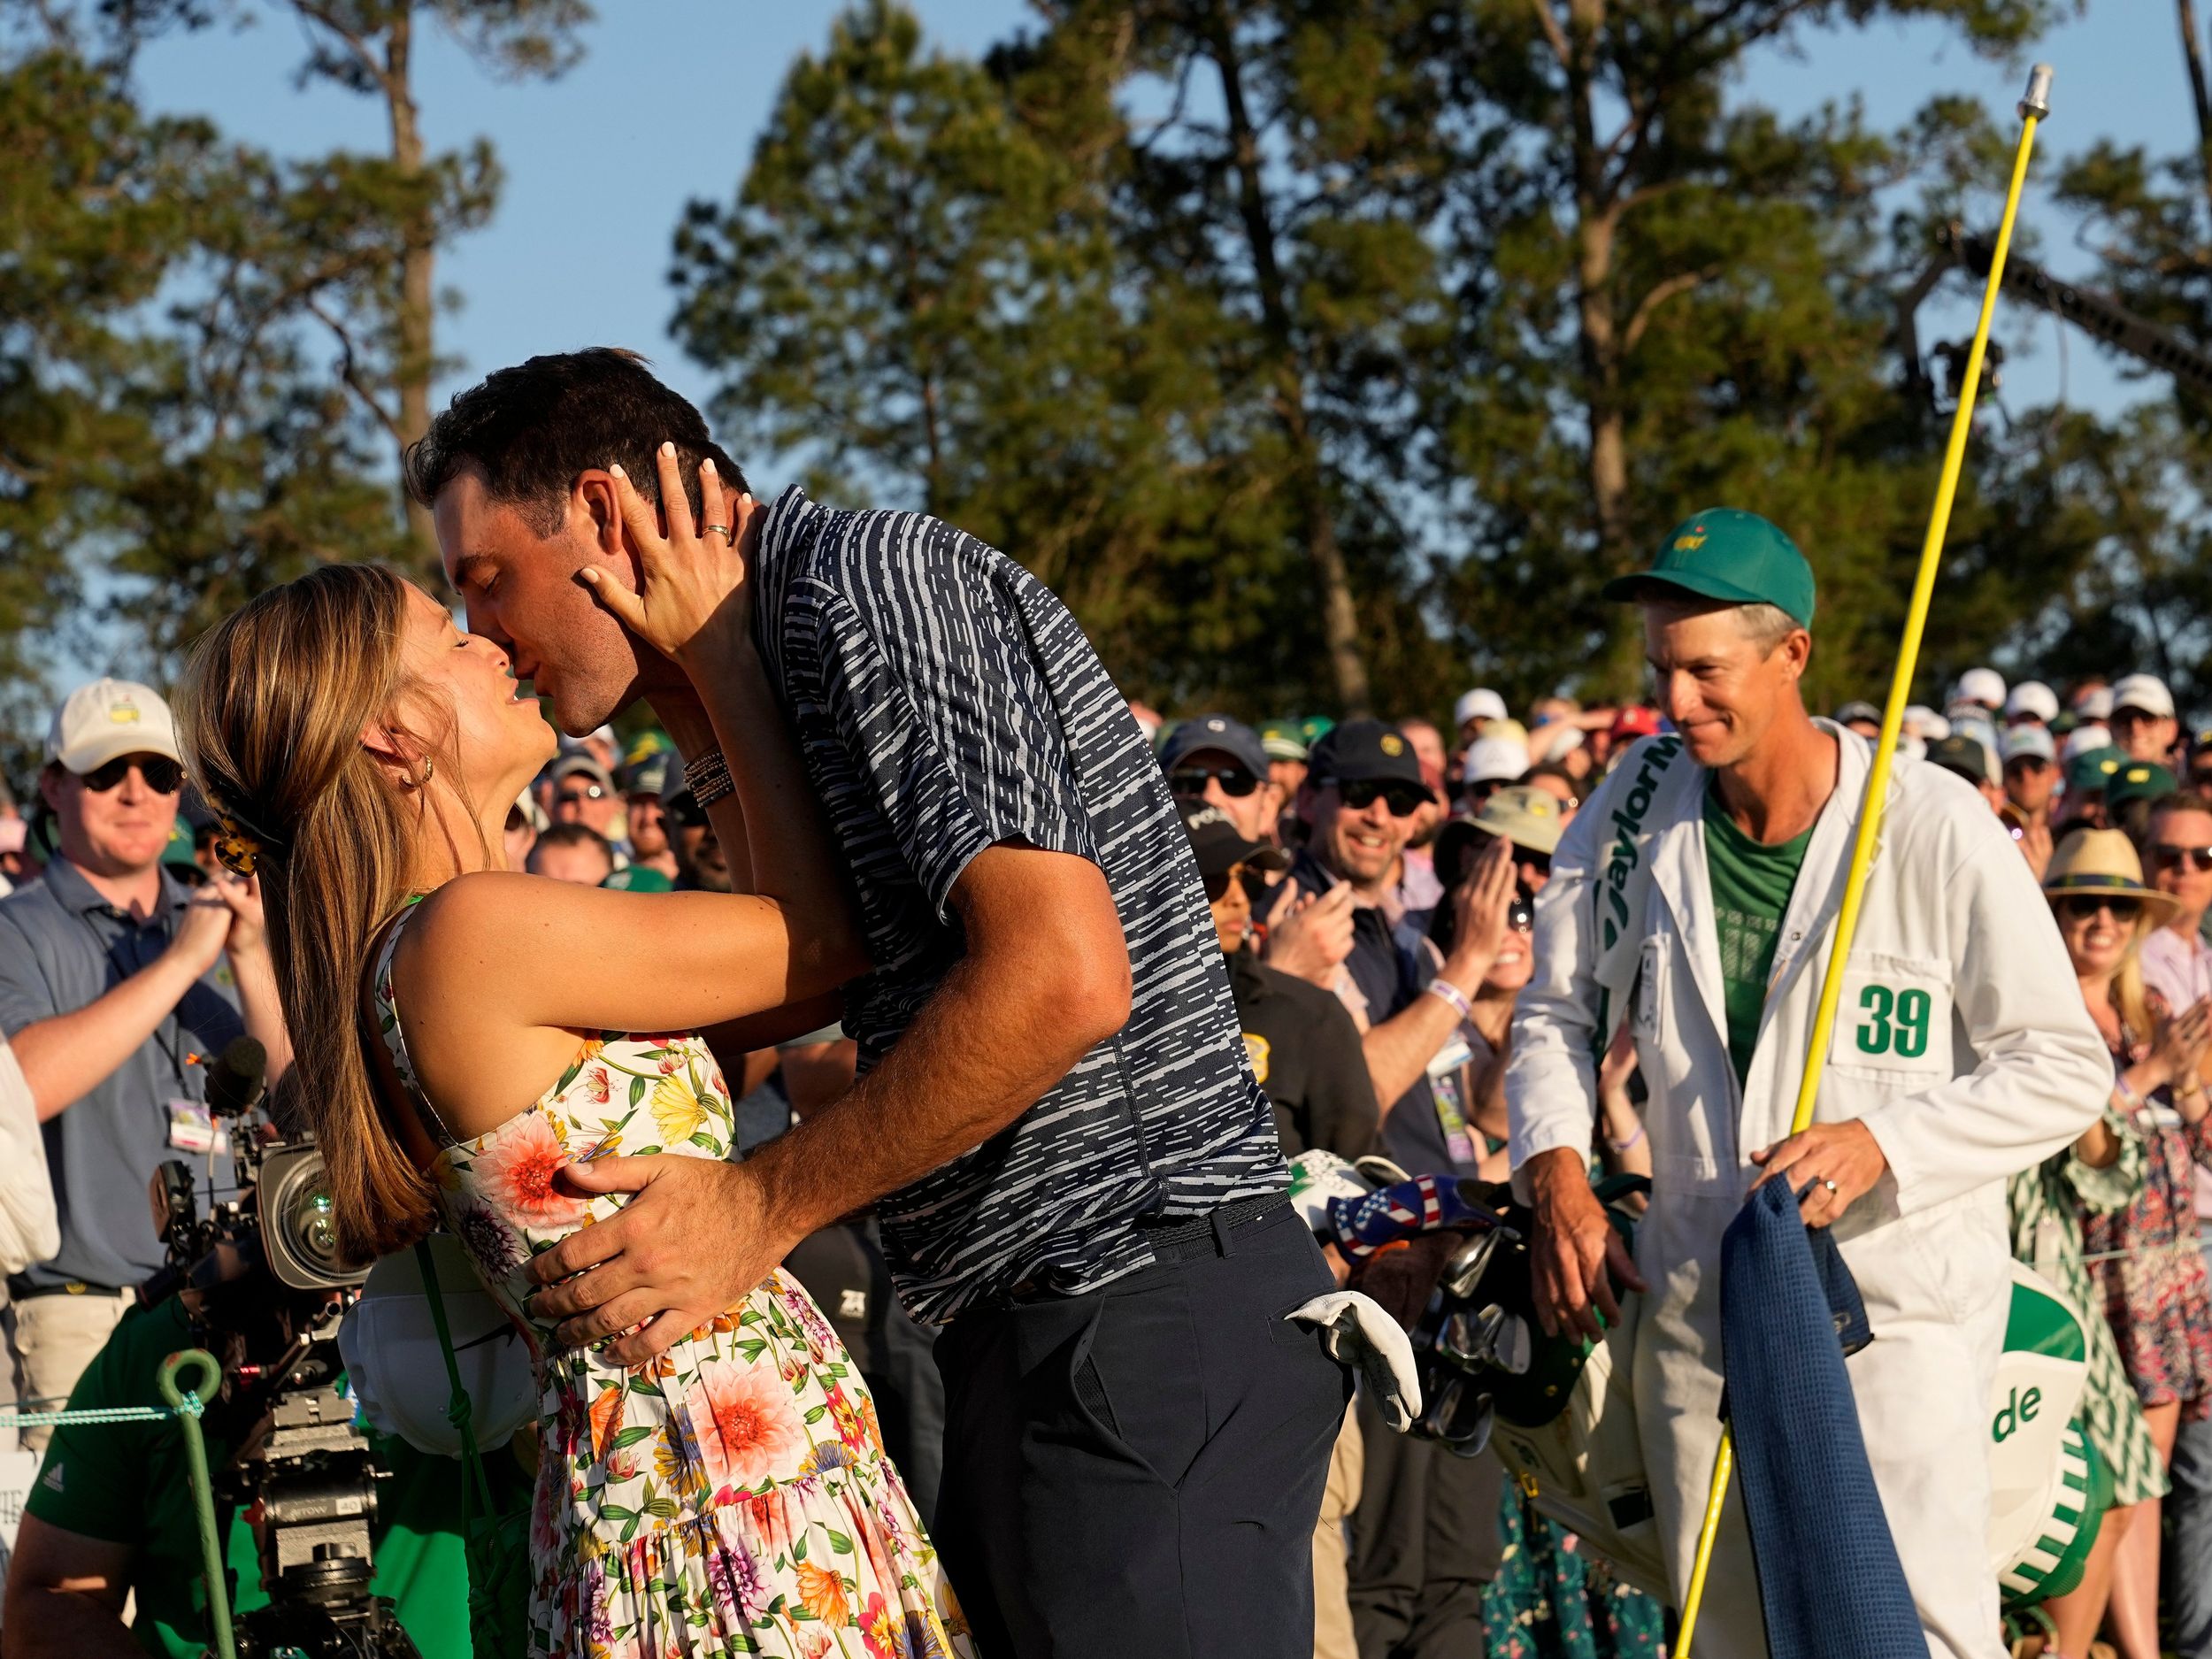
x: 945, y: 701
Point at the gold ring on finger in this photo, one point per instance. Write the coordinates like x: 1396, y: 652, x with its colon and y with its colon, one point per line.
x: 715, y: 529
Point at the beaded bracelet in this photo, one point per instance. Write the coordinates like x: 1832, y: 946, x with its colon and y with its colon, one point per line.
x: 709, y: 778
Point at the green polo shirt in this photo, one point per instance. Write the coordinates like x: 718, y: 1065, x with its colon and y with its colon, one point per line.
x: 1751, y: 885
x: 126, y: 1483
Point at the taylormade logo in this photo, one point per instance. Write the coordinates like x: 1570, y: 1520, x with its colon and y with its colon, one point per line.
x: 1628, y: 822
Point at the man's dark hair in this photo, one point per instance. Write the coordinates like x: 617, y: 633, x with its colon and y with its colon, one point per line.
x: 533, y: 429
x: 572, y: 835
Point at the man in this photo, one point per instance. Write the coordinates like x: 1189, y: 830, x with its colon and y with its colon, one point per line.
x: 1287, y: 752
x: 1474, y: 712
x: 2177, y: 964
x: 1425, y: 1534
x: 1491, y: 762
x: 1217, y: 762
x: 115, y: 981
x: 572, y: 852
x: 644, y: 781
x: 700, y: 867
x: 2087, y: 774
x: 584, y: 793
x: 1695, y: 898
x: 1860, y: 717
x: 111, y: 1517
x: 2143, y: 722
x: 1984, y: 687
x: 1304, y: 1048
x: 2030, y: 776
x: 1075, y: 1172
x: 1968, y: 757
x: 2031, y: 702
x: 1417, y: 887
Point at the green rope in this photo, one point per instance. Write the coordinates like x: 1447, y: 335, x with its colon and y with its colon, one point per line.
x: 106, y: 1414
x: 185, y: 1405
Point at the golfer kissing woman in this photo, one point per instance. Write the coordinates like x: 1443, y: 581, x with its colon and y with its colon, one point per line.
x: 464, y: 1032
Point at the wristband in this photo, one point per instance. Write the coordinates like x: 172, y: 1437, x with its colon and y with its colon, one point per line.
x: 1452, y: 995
x: 709, y: 778
x: 1623, y: 1146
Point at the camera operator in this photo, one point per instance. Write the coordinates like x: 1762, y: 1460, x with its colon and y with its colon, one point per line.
x: 111, y: 1513
x: 114, y: 979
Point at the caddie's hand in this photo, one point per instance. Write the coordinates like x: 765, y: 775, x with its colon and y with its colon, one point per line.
x: 693, y: 605
x: 1575, y: 1257
x: 1308, y: 938
x: 1830, y: 1167
x: 692, y: 1244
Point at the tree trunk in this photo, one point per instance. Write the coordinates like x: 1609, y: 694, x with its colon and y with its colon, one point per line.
x: 413, y: 321
x: 1339, y: 617
x: 2193, y: 50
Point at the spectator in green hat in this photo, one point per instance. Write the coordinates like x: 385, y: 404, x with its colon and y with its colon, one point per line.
x: 2129, y: 791
x: 2086, y: 776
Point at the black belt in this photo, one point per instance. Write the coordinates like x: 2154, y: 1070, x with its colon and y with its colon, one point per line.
x: 1200, y: 1235
x: 22, y: 1289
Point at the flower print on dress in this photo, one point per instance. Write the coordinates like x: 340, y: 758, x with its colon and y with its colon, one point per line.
x: 493, y: 1246
x: 741, y: 1427
x: 822, y: 1592
x: 734, y: 1577
x: 677, y: 1111
x: 515, y: 1171
x: 597, y: 1084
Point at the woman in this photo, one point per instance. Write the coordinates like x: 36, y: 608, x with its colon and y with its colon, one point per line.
x: 2138, y: 1229
x: 731, y: 1494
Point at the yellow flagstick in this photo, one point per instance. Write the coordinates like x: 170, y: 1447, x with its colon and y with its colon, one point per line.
x: 2033, y: 108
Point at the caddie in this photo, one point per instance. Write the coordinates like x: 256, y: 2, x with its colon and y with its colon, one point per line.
x: 1695, y: 896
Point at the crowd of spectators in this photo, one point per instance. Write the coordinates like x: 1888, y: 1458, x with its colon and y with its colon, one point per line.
x: 1371, y: 885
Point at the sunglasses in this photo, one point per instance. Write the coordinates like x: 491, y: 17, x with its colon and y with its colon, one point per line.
x: 2166, y: 856
x: 1191, y: 780
x: 570, y: 797
x: 162, y: 775
x: 1521, y: 918
x: 1403, y: 799
x: 2083, y: 907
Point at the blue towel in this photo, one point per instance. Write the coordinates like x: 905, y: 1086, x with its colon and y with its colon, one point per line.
x: 1828, y: 1579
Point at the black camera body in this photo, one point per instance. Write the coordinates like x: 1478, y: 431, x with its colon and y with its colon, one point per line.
x: 271, y: 1289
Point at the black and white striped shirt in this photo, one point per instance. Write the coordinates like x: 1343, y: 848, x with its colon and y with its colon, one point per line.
x: 945, y: 701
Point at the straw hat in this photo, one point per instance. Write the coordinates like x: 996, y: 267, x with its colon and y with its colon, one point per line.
x: 2102, y: 863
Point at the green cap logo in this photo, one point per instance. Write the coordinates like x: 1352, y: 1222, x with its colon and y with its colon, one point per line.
x: 1728, y: 555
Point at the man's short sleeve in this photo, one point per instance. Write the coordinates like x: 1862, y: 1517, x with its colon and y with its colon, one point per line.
x: 25, y: 997
x: 954, y: 733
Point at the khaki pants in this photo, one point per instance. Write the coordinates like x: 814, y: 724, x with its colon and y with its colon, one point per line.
x: 50, y: 1341
x: 1332, y: 1636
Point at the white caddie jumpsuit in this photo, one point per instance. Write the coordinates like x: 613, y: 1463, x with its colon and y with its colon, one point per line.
x: 1962, y: 1042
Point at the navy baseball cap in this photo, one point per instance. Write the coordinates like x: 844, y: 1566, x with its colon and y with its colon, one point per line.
x: 1217, y: 732
x: 1365, y: 751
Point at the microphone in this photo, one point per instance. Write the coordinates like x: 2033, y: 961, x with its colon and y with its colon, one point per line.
x: 234, y: 1081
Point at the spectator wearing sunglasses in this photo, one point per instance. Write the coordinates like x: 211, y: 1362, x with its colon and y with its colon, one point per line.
x: 1215, y: 761
x: 584, y: 793
x: 115, y: 981
x: 2031, y: 772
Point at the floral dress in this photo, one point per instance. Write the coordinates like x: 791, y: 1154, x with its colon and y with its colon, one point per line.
x: 2153, y: 1276
x: 2045, y: 1206
x: 731, y: 1496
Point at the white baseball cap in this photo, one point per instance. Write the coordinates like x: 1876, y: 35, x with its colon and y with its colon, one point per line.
x: 1922, y: 722
x: 2147, y: 693
x: 107, y: 718
x: 1494, y: 759
x: 2033, y: 700
x: 1481, y: 703
x: 2084, y: 738
x: 2095, y: 705
x: 2027, y: 739
x: 1984, y: 686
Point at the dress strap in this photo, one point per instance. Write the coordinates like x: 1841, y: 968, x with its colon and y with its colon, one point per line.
x: 387, y: 1011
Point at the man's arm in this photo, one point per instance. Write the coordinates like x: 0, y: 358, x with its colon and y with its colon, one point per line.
x: 65, y: 1596
x: 64, y: 1057
x: 1399, y: 1048
x: 1045, y: 978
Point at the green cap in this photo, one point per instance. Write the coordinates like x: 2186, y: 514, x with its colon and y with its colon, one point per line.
x: 639, y: 878
x: 1314, y: 727
x: 178, y: 848
x: 1283, y: 739
x: 2089, y: 771
x: 1731, y: 556
x: 2137, y: 780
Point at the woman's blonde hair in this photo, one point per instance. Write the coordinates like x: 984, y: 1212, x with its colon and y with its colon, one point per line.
x: 271, y: 710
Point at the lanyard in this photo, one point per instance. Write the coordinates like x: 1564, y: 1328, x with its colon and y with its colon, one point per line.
x: 171, y: 1045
